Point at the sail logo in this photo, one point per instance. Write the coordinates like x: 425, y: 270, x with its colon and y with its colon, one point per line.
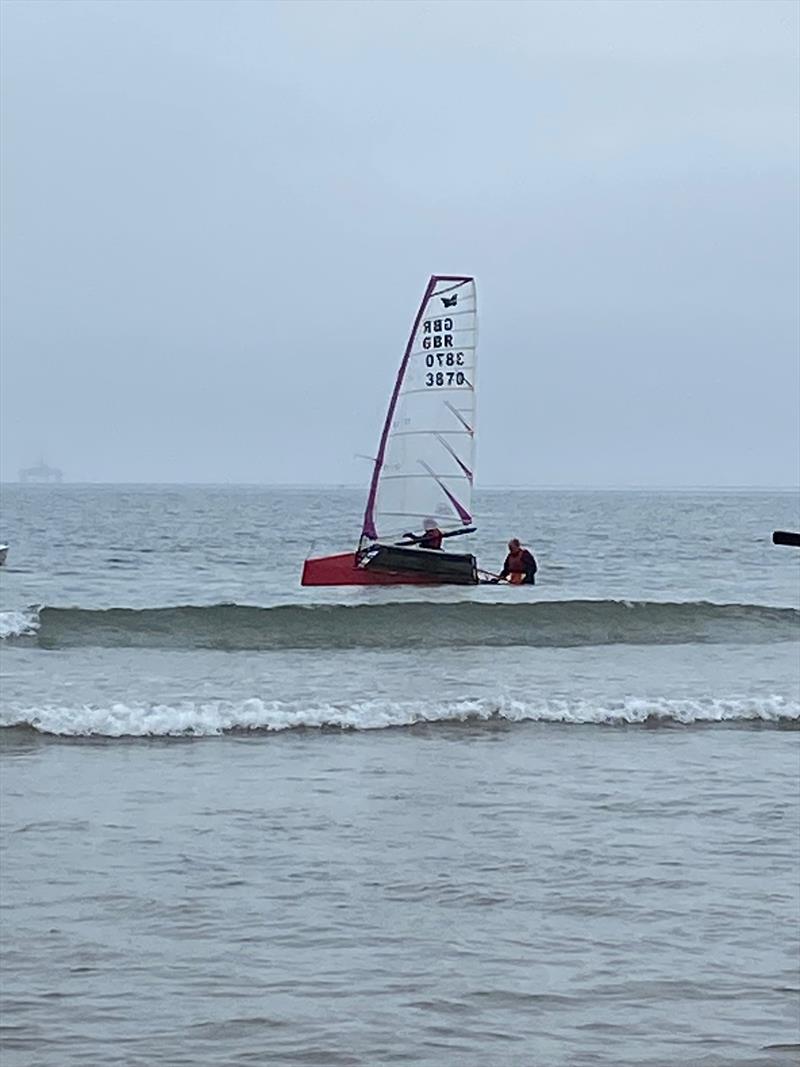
x: 451, y: 301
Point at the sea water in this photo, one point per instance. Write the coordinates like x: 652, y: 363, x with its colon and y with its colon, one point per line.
x: 248, y: 823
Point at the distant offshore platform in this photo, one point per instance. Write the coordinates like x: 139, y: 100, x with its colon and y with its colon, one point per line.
x: 41, y: 474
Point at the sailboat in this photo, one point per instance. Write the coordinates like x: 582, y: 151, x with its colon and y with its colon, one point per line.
x: 423, y: 472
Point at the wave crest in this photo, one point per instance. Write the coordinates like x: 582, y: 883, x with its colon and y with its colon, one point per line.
x: 19, y: 623
x: 213, y: 718
x: 409, y: 625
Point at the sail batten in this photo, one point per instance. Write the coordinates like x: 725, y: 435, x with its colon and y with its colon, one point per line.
x: 425, y: 462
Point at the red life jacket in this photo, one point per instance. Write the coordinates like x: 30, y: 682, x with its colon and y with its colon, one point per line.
x: 431, y: 539
x: 516, y: 562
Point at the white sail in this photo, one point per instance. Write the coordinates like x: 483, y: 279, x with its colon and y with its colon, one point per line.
x: 425, y: 463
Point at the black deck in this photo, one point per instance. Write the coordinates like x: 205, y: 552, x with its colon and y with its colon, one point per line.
x: 450, y: 568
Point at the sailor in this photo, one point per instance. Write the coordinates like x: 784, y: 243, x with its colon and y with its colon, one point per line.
x: 520, y: 566
x: 431, y: 538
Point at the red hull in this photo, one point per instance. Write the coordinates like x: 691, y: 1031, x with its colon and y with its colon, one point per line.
x: 342, y: 570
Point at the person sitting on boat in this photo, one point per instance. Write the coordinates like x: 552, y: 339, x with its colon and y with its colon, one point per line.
x: 520, y: 566
x: 431, y: 538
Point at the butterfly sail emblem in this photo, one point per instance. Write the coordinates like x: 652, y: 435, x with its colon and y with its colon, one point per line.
x: 450, y: 301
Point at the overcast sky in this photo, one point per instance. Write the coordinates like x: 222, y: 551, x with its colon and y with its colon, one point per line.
x: 218, y: 220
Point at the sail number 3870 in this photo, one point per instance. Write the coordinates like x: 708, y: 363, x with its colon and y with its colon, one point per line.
x: 451, y: 377
x: 445, y: 377
x: 444, y: 359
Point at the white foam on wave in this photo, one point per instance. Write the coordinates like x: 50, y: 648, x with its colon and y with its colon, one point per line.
x: 208, y: 719
x: 18, y: 623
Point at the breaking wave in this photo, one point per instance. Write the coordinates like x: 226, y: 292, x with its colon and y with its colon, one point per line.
x: 405, y: 625
x: 213, y: 718
x: 19, y: 623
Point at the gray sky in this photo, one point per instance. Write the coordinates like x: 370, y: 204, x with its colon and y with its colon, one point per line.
x: 218, y: 219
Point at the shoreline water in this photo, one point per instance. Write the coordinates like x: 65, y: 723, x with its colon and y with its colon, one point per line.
x: 245, y: 824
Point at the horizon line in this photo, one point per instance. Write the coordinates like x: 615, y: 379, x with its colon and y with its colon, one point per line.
x: 498, y: 486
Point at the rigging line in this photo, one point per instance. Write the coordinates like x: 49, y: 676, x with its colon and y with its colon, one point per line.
x: 461, y: 511
x: 398, y: 477
x: 432, y: 389
x: 413, y: 433
x: 460, y: 418
x: 456, y: 457
x: 449, y: 288
x: 449, y: 348
x: 451, y: 314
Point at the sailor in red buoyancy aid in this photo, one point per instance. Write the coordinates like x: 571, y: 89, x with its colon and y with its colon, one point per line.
x: 520, y: 566
x: 431, y: 538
